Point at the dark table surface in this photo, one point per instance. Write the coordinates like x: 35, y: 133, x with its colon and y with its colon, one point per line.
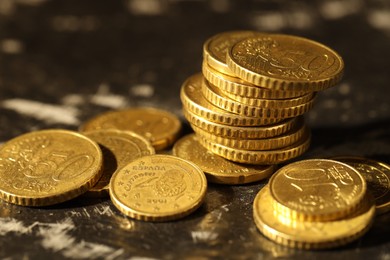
x: 65, y: 61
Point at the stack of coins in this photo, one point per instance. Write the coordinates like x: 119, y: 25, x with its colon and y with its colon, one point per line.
x: 247, y: 105
x: 314, y: 204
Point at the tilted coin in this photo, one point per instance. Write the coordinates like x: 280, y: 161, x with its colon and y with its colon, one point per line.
x: 119, y: 148
x: 317, y: 189
x: 260, y: 157
x: 214, y: 96
x: 48, y: 167
x: 240, y: 132
x: 285, y: 62
x: 377, y: 176
x: 158, y: 126
x: 215, y: 48
x: 270, y: 143
x: 216, y: 168
x: 237, y: 87
x: 158, y: 188
x: 193, y: 100
x: 309, y: 234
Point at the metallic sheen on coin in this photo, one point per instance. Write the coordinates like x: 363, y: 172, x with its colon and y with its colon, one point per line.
x: 158, y: 188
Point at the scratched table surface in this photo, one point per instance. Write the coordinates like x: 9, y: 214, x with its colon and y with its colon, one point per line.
x: 65, y: 61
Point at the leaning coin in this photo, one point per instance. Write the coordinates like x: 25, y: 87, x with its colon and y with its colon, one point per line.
x: 158, y: 188
x: 216, y: 168
x: 119, y: 148
x: 309, y: 234
x: 158, y: 126
x: 317, y: 190
x: 48, y: 167
x: 285, y: 62
x: 377, y: 176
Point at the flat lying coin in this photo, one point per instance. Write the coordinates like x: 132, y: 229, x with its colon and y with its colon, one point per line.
x: 317, y: 189
x: 48, y: 167
x: 377, y: 176
x: 119, y: 148
x: 308, y: 234
x: 158, y: 126
x: 158, y: 188
x: 285, y: 62
x: 216, y: 168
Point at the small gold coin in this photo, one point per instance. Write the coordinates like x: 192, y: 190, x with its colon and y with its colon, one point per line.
x: 238, y: 132
x: 270, y: 143
x: 308, y: 234
x: 285, y: 62
x: 119, y: 148
x: 214, y: 96
x: 260, y: 157
x: 193, y: 101
x: 317, y: 190
x: 48, y: 167
x: 158, y: 188
x: 216, y: 168
x: 158, y: 126
x: 237, y: 87
x: 377, y: 176
x: 215, y: 48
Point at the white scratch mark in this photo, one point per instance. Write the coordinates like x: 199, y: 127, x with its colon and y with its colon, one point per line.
x: 337, y: 9
x: 12, y: 46
x: 104, y: 211
x: 142, y: 90
x: 45, y: 112
x: 379, y: 19
x: 225, y: 207
x: 203, y: 236
x: 103, y: 97
x: 73, y: 100
x: 55, y: 236
x: 12, y: 225
x: 86, y: 213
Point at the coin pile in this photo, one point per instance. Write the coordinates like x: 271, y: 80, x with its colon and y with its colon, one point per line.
x: 248, y: 103
x: 314, y: 204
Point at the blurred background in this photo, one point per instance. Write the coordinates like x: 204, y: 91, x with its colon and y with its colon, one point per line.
x: 65, y: 61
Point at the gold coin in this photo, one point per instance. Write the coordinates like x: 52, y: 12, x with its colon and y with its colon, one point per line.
x: 158, y: 188
x: 307, y: 234
x: 285, y: 62
x: 214, y: 96
x: 271, y: 143
x: 259, y: 157
x: 215, y: 48
x: 216, y: 168
x: 158, y: 126
x: 48, y: 167
x: 377, y: 176
x: 238, y: 87
x: 119, y: 148
x: 238, y: 132
x: 193, y: 101
x: 317, y: 190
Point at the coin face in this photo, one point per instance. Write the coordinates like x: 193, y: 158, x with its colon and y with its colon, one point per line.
x: 158, y: 188
x: 158, y: 126
x: 317, y: 189
x: 377, y: 176
x: 285, y: 62
x: 310, y: 234
x: 48, y: 167
x: 119, y: 148
x: 216, y: 168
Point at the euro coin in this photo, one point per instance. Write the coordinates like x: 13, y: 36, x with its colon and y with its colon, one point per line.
x: 158, y: 126
x: 216, y: 168
x: 317, y: 190
x: 285, y: 62
x: 119, y: 148
x: 47, y: 167
x: 307, y: 234
x: 158, y: 188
